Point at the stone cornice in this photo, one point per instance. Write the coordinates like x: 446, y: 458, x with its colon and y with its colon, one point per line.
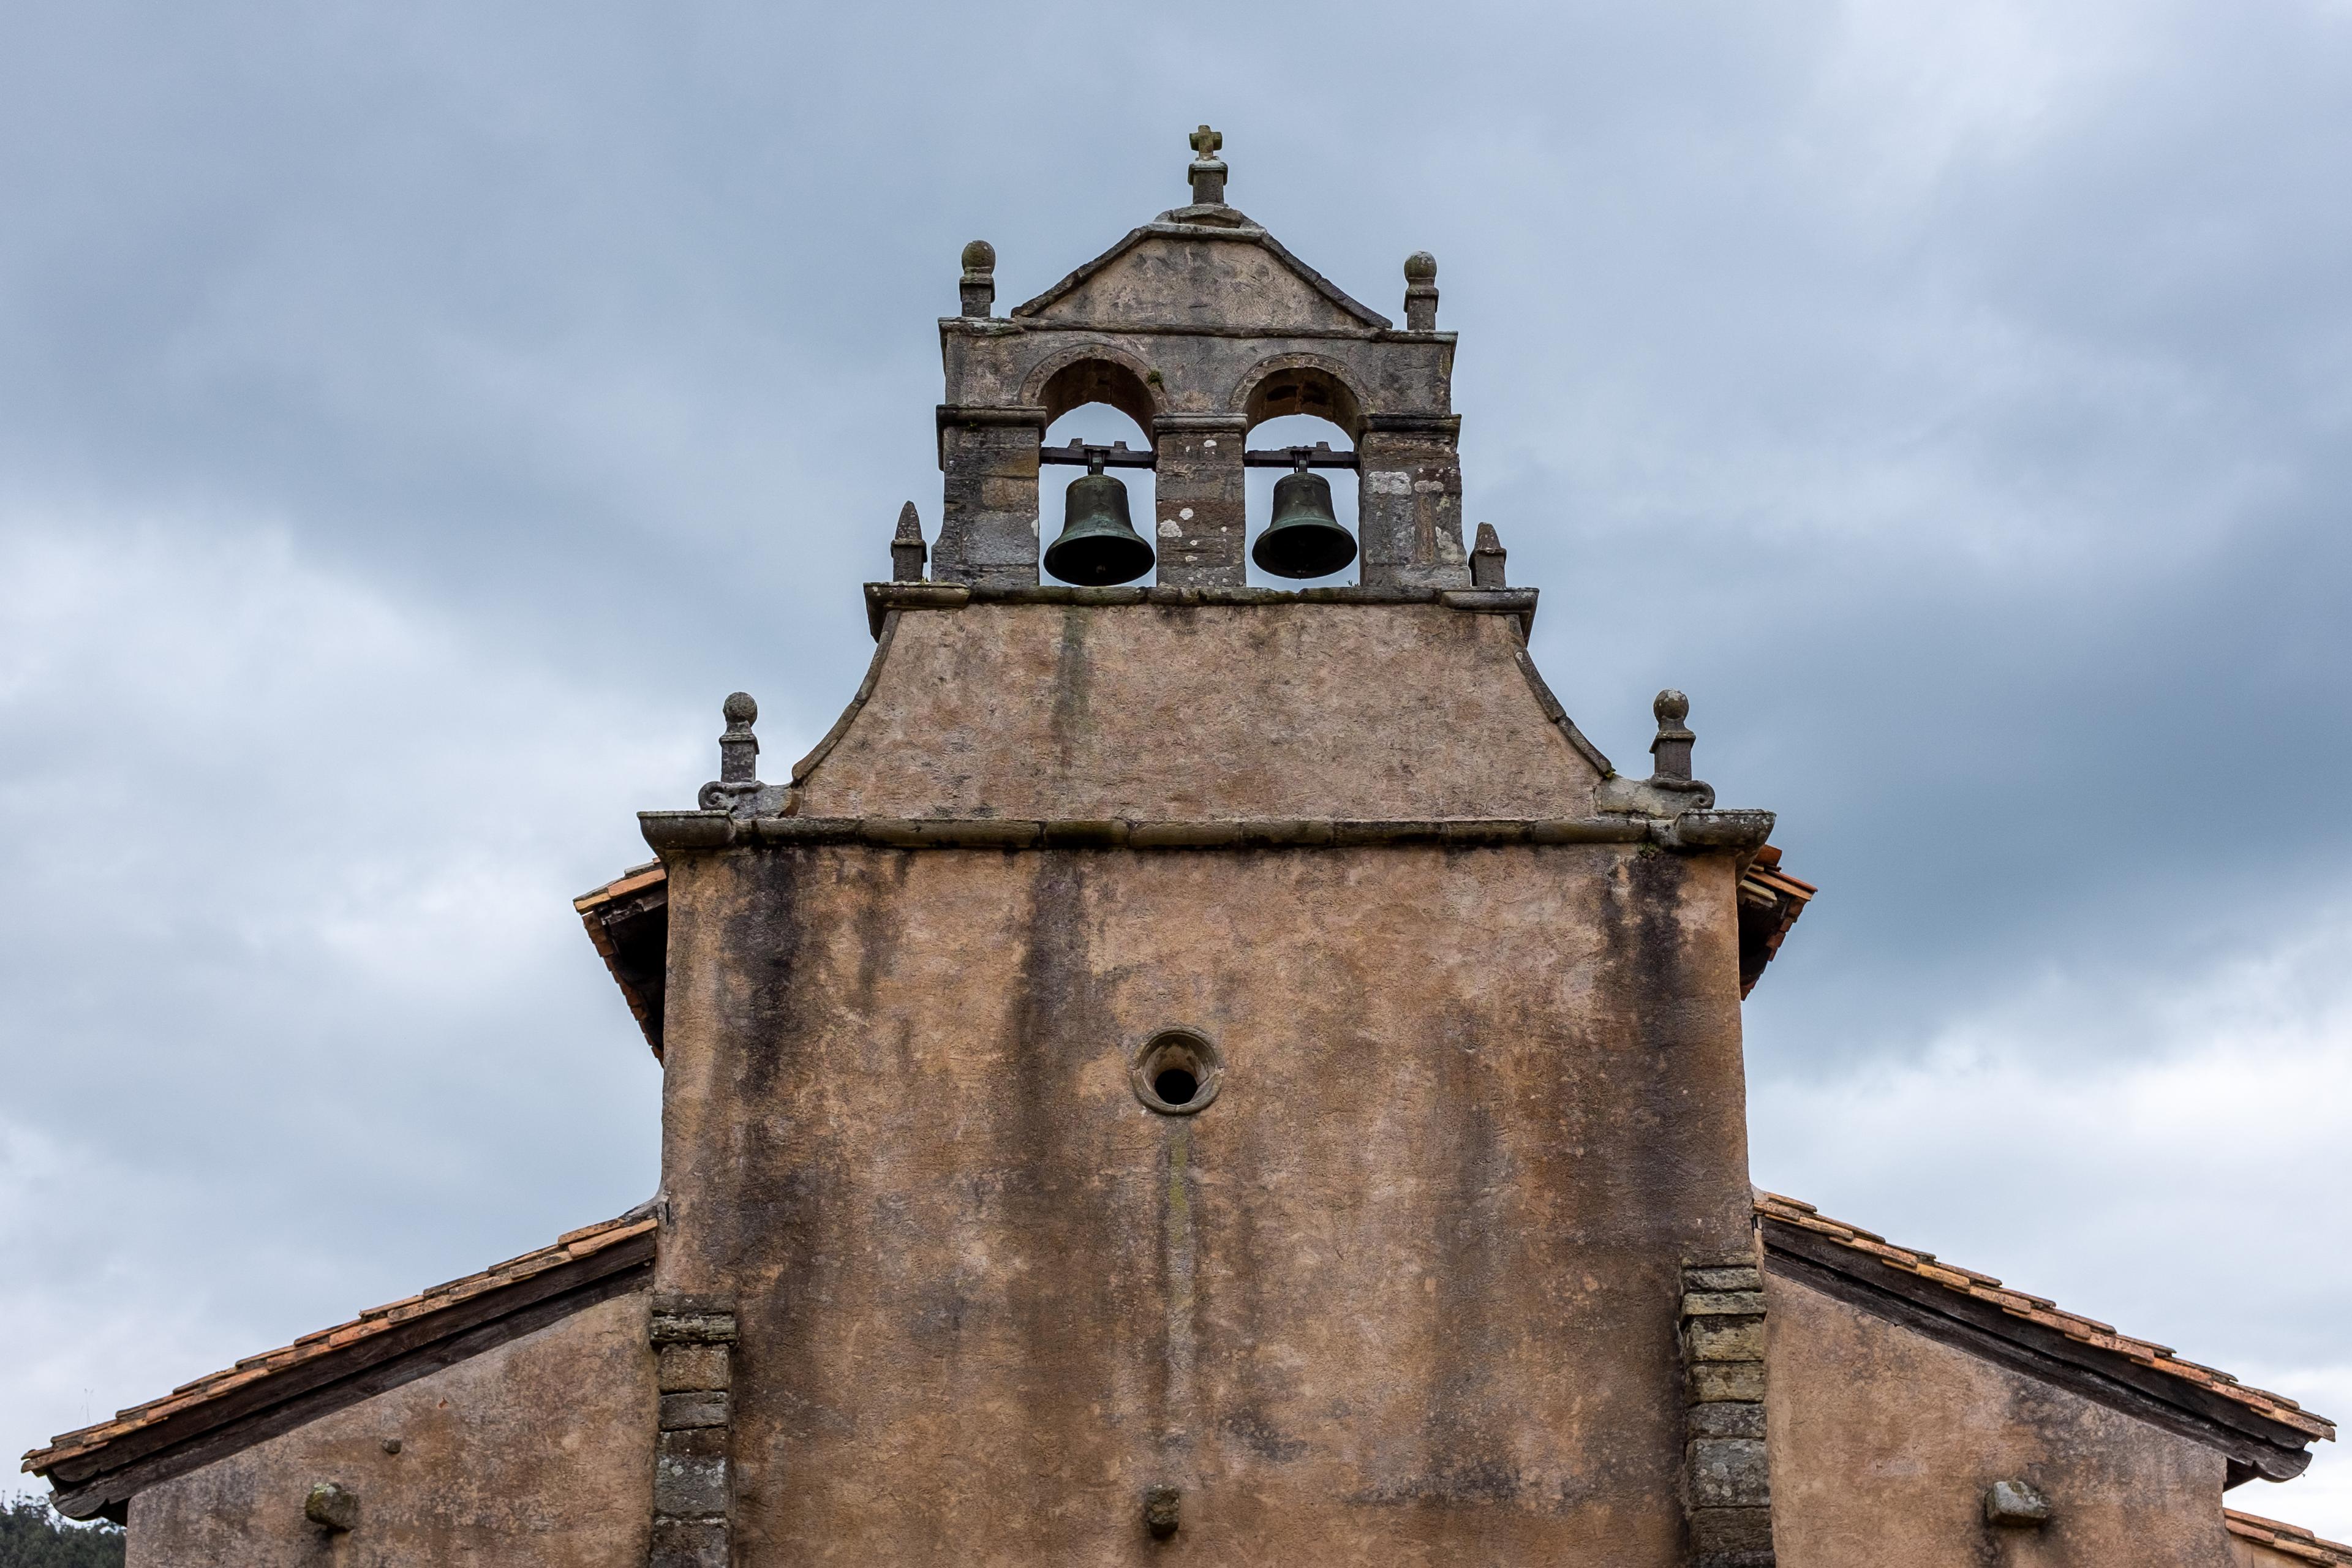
x: 674, y: 832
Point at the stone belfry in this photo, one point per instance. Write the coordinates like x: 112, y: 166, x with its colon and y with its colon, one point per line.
x: 1198, y: 1073
x: 1198, y: 326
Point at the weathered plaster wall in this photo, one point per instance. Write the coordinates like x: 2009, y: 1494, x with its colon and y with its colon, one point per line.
x: 1406, y: 1292
x: 539, y: 1451
x: 1172, y: 711
x: 1884, y: 1441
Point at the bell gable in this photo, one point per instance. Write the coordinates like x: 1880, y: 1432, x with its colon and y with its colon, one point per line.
x: 1195, y: 274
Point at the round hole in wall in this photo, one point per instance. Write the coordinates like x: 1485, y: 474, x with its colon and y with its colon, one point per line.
x: 1176, y: 1072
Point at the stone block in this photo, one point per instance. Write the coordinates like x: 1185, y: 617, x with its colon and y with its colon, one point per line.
x: 1724, y: 1277
x: 689, y: 1368
x: 1731, y: 1530
x: 683, y: 1412
x: 333, y: 1508
x: 693, y: 1328
x: 690, y: 1473
x: 1711, y: 1382
x: 689, y: 1544
x: 1723, y: 1339
x: 2016, y: 1504
x: 1729, y: 1471
x: 1725, y: 1419
x: 1722, y: 1304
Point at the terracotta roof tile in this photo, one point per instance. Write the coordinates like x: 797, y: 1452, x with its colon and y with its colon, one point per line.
x: 575, y: 1245
x: 2291, y: 1540
x: 621, y: 886
x: 2050, y: 1315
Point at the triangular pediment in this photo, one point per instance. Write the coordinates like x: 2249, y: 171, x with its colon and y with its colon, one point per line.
x: 1222, y: 276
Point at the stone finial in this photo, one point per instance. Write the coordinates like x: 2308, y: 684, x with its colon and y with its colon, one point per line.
x: 1670, y: 751
x: 739, y: 754
x: 2017, y: 1504
x: 1162, y: 1511
x: 1421, y: 292
x: 333, y: 1508
x: 978, y: 289
x: 1487, y: 559
x: 1208, y: 169
x: 739, y: 749
x: 907, y: 549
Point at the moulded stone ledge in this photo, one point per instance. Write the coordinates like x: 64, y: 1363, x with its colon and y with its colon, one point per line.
x: 884, y: 597
x: 684, y: 831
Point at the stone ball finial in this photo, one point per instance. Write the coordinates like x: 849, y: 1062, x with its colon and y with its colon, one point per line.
x: 1671, y: 708
x: 980, y: 257
x: 1421, y: 292
x: 738, y: 708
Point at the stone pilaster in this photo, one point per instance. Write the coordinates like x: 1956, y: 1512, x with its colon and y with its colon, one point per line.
x: 1727, y: 1478
x: 1409, y: 502
x: 988, y: 520
x: 1201, y: 529
x: 694, y: 1347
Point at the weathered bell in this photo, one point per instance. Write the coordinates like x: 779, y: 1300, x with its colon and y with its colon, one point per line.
x: 1304, y: 539
x: 1098, y: 546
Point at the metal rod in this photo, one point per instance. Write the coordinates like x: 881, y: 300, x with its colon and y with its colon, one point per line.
x: 1318, y: 456
x: 1118, y: 455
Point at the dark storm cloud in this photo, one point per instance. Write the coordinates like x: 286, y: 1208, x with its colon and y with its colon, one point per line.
x: 412, y: 420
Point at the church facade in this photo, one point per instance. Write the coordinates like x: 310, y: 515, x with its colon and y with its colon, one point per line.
x: 1189, y: 1072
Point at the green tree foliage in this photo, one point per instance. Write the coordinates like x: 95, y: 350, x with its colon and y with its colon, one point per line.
x: 32, y: 1537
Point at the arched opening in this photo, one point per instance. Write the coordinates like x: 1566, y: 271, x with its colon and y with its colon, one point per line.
x: 1257, y: 484
x: 1085, y: 381
x: 1299, y: 406
x: 1284, y: 391
x: 1094, y: 424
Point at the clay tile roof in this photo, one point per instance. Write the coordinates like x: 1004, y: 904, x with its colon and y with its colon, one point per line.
x: 1770, y: 903
x: 2291, y: 1540
x: 2048, y: 1314
x: 627, y: 919
x: 573, y: 1246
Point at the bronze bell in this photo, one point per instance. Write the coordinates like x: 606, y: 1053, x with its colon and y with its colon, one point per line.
x: 1304, y: 539
x: 1098, y: 546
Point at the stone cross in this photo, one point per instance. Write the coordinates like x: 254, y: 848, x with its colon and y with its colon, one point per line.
x: 1208, y: 169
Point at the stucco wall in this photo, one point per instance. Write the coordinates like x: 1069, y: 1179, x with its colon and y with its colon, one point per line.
x: 539, y: 1451
x: 1170, y: 710
x: 1882, y: 1442
x: 1406, y: 1292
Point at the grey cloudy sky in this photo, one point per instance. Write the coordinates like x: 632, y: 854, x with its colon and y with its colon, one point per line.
x: 414, y: 419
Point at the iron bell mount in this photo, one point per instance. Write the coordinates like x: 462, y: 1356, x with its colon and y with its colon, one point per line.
x: 1098, y: 546
x: 1305, y: 539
